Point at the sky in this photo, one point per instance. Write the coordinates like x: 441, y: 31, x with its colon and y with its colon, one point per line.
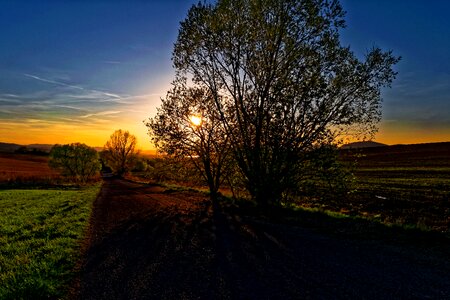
x: 75, y: 71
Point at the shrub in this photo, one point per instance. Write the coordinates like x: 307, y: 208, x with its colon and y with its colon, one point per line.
x: 76, y: 160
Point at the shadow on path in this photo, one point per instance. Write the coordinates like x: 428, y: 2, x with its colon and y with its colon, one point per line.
x: 148, y: 243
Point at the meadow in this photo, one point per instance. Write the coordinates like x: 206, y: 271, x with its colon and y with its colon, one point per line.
x: 40, y: 240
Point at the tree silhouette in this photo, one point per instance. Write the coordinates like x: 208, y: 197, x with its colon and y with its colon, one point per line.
x: 188, y: 125
x: 281, y: 82
x: 120, y: 152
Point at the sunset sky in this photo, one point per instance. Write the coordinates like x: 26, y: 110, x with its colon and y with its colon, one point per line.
x: 75, y: 71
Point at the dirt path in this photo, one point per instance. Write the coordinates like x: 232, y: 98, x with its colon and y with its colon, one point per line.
x: 147, y: 243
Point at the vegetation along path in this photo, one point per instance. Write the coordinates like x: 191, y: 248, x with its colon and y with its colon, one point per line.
x: 147, y: 242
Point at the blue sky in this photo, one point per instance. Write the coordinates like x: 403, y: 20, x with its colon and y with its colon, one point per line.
x: 77, y: 70
x: 417, y: 107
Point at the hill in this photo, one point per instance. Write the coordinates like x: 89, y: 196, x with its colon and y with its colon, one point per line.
x: 42, y: 147
x: 9, y: 147
x: 365, y: 144
x: 417, y: 155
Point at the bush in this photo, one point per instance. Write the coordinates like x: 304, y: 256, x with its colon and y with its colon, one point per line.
x: 76, y: 160
x: 323, y: 175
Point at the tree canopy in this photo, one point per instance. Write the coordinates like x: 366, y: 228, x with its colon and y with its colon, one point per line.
x: 76, y: 160
x: 280, y: 81
x: 120, y: 152
x: 188, y: 125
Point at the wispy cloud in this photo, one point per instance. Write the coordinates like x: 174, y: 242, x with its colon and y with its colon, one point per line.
x: 53, y: 81
x: 58, y: 106
x: 110, y: 94
x: 102, y: 113
x: 9, y: 95
x: 107, y: 94
x: 9, y: 98
x: 143, y: 96
x: 70, y: 107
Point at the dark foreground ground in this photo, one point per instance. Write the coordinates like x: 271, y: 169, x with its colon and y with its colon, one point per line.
x: 150, y: 243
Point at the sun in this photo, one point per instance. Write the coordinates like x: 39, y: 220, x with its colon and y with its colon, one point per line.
x: 195, y: 120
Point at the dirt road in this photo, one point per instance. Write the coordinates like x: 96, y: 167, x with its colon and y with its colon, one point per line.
x: 148, y: 243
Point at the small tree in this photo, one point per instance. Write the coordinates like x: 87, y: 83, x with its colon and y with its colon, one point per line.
x: 75, y: 160
x: 187, y: 125
x: 120, y: 152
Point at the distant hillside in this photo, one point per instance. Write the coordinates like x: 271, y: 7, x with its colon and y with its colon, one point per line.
x: 9, y: 147
x: 359, y: 145
x: 425, y: 155
x: 43, y: 147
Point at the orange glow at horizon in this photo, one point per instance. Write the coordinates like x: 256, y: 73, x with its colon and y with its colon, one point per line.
x: 392, y: 133
x: 96, y: 135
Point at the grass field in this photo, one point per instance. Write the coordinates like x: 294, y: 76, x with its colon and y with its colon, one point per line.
x: 40, y: 232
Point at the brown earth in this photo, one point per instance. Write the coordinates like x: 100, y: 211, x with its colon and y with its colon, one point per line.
x: 25, y: 167
x: 146, y: 242
x: 406, y: 184
x: 415, y: 155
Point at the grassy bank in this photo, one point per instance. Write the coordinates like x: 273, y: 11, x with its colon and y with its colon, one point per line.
x: 40, y: 232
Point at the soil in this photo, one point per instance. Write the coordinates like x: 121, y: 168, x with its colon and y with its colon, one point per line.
x: 146, y: 242
x: 24, y: 165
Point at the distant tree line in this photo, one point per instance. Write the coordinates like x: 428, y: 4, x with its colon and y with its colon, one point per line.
x: 33, y: 151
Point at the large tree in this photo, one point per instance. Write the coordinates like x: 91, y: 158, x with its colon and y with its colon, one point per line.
x: 120, y: 152
x: 76, y: 160
x: 281, y: 81
x: 187, y: 125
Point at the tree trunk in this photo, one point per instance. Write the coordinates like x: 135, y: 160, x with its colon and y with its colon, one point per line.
x: 265, y: 190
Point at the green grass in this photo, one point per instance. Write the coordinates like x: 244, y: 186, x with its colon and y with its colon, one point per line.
x: 40, y: 232
x: 411, y: 167
x: 359, y: 218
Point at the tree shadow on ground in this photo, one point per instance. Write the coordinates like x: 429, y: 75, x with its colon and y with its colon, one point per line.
x: 177, y: 248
